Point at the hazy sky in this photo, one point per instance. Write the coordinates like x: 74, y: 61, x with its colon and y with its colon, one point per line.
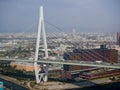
x: 83, y: 15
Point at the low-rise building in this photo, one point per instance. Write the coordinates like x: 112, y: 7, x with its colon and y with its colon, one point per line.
x: 23, y: 66
x: 94, y: 55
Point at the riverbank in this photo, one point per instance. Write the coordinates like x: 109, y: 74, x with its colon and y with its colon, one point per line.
x: 79, y: 85
x: 110, y: 86
x: 12, y: 83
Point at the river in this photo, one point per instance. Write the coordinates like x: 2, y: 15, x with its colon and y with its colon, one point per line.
x: 12, y: 86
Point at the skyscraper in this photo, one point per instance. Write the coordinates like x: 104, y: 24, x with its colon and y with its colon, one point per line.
x: 118, y: 38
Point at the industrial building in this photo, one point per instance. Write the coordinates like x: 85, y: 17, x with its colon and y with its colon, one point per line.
x: 100, y: 55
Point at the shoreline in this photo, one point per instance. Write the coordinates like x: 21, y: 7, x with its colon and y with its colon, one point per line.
x: 13, y: 83
x: 52, y: 85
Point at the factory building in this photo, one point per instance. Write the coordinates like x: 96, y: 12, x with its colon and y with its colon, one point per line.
x: 94, y: 55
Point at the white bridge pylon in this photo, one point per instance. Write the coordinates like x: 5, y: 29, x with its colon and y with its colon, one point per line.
x: 41, y: 31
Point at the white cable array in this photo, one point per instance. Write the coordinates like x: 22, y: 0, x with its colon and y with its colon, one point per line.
x: 97, y: 55
x: 60, y: 31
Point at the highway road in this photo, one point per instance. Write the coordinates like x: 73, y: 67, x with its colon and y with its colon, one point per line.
x: 67, y: 62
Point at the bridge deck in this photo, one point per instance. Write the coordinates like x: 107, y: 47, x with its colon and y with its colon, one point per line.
x: 68, y: 62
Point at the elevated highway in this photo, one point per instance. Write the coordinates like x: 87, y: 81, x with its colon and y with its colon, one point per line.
x: 67, y: 62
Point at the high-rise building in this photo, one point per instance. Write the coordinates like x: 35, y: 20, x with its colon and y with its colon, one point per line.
x: 118, y: 38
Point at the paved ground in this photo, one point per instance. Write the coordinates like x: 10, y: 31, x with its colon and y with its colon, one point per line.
x: 61, y: 85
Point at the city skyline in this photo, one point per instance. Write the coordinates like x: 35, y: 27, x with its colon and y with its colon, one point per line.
x: 78, y: 49
x: 83, y: 15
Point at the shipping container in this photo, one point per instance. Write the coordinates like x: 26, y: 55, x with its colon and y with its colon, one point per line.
x: 1, y: 85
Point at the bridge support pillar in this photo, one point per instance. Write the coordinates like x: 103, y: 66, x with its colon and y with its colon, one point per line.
x: 46, y: 72
x: 41, y: 74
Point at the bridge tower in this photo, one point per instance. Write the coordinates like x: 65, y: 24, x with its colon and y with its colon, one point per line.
x: 41, y: 32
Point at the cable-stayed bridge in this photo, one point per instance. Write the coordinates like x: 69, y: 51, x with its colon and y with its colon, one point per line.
x: 43, y: 76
